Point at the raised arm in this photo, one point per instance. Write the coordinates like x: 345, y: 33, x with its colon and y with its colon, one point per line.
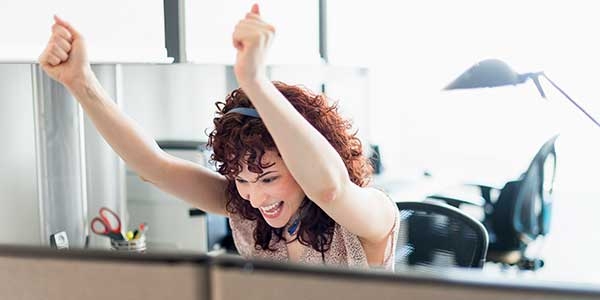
x: 65, y: 60
x: 366, y: 212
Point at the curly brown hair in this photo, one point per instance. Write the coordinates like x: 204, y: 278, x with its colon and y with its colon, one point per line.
x: 238, y: 139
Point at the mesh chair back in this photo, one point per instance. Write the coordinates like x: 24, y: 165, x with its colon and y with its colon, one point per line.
x: 532, y: 212
x: 438, y: 235
x: 523, y: 209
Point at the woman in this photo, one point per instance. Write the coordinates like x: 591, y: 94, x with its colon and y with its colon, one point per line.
x: 291, y: 178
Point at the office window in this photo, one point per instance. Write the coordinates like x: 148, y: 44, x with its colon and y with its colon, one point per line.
x: 116, y: 31
x: 209, y: 25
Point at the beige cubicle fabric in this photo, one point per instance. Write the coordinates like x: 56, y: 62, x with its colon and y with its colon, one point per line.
x: 23, y: 278
x: 32, y: 274
x: 230, y: 284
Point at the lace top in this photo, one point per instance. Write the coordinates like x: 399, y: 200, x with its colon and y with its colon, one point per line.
x: 346, y: 248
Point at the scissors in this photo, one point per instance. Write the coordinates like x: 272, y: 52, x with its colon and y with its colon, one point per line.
x: 108, y: 224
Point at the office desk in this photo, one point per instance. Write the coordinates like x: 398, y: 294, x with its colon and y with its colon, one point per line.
x: 419, y: 188
x: 36, y: 273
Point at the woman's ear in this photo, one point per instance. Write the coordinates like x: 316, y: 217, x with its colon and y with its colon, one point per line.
x: 255, y: 9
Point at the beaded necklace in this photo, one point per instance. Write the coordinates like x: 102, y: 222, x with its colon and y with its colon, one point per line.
x: 292, y: 229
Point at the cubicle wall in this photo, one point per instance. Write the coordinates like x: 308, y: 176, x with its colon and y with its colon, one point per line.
x: 234, y: 279
x: 30, y: 273
x: 59, y: 159
x: 19, y: 210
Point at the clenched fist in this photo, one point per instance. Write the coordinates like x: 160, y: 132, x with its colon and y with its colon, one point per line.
x: 252, y: 38
x: 65, y: 57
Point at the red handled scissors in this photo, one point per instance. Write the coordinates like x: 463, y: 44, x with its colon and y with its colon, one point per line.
x: 108, y: 224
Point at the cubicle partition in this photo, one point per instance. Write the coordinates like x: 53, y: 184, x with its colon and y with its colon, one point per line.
x: 42, y: 273
x: 239, y: 279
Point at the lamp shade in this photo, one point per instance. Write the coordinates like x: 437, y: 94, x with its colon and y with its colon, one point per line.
x: 486, y: 73
x: 494, y: 73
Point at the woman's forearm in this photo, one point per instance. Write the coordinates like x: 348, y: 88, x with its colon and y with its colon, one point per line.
x: 139, y: 151
x: 312, y: 160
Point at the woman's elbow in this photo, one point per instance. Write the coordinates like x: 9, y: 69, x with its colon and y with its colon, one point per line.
x: 329, y: 188
x: 328, y: 193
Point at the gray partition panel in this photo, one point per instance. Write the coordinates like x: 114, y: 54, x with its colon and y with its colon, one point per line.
x: 232, y: 279
x: 60, y: 163
x: 19, y: 213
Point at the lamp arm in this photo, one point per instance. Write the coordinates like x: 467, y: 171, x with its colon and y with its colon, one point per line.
x: 536, y: 80
x: 572, y: 101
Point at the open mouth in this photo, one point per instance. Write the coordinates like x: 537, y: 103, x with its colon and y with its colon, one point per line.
x: 272, y: 210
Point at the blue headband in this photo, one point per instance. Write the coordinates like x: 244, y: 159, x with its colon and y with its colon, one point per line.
x: 246, y: 111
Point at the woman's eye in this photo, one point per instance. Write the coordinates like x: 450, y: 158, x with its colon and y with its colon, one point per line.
x: 240, y: 180
x: 268, y: 180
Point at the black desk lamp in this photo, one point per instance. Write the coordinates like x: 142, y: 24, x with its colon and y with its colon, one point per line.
x: 494, y: 72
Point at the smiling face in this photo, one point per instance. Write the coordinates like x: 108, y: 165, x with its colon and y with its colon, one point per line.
x: 274, y: 192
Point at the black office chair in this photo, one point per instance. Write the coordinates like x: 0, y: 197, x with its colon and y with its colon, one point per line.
x: 520, y: 213
x: 435, y: 235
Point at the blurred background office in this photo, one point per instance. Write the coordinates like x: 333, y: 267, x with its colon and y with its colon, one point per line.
x: 385, y: 61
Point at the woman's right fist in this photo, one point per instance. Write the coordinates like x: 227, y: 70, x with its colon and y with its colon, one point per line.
x: 65, y: 57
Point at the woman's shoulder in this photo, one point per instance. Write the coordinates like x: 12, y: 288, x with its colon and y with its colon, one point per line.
x: 240, y: 225
x: 242, y: 230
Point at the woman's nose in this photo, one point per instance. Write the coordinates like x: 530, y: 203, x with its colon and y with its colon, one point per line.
x: 256, y: 198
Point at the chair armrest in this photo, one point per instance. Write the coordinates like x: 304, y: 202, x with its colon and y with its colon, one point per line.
x: 483, y: 185
x: 456, y: 202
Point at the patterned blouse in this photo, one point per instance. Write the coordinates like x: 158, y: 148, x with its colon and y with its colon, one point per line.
x: 345, y: 250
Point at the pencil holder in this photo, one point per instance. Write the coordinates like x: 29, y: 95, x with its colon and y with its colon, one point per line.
x: 136, y: 245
